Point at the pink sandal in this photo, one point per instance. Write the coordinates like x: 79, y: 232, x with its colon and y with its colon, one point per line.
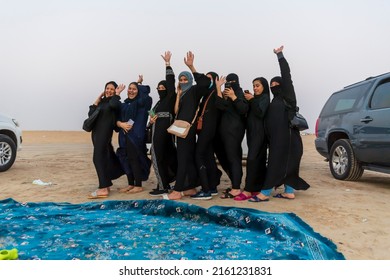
x: 242, y: 197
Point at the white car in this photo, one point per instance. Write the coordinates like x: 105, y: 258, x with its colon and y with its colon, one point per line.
x: 10, y: 141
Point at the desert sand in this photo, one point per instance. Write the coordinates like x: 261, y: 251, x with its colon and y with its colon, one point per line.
x: 354, y: 215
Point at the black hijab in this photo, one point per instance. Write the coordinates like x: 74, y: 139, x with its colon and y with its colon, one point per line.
x: 234, y: 79
x: 162, y: 92
x: 214, y: 77
x: 276, y: 89
x: 264, y: 83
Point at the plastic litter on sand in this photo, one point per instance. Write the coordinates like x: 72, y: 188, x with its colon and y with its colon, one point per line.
x: 41, y: 183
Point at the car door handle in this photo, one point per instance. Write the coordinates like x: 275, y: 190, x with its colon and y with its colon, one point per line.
x: 367, y: 119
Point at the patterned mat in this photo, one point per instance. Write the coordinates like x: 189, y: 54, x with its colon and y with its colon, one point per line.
x: 156, y: 230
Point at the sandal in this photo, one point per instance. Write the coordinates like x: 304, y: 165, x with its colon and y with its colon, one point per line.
x: 255, y: 198
x: 280, y: 195
x: 242, y: 197
x: 95, y: 195
x: 226, y: 195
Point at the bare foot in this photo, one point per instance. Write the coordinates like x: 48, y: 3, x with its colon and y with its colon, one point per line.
x: 189, y: 192
x: 174, y: 195
x: 235, y: 192
x: 125, y: 189
x: 262, y: 196
x: 135, y: 190
x: 286, y: 195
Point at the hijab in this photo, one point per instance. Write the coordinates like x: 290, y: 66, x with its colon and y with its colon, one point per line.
x: 264, y: 83
x: 233, y: 77
x: 276, y: 90
x: 214, y: 77
x: 112, y: 83
x: 162, y: 92
x: 186, y: 86
x: 128, y: 100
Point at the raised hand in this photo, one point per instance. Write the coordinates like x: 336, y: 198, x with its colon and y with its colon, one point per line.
x: 278, y: 50
x: 119, y: 89
x: 189, y: 60
x: 140, y: 79
x: 219, y: 82
x: 167, y: 57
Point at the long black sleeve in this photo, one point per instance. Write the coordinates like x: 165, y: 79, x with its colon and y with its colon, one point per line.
x: 288, y: 87
x: 170, y: 78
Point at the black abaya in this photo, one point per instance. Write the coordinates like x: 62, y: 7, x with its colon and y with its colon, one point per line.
x: 187, y: 175
x: 232, y: 131
x: 106, y: 163
x: 285, y: 143
x: 163, y: 150
x: 257, y: 143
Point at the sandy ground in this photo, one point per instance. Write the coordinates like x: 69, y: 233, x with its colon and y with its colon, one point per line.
x: 354, y: 215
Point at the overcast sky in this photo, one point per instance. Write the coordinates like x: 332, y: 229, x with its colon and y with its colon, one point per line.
x: 56, y: 56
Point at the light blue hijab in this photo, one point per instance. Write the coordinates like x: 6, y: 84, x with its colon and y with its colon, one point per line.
x: 186, y: 86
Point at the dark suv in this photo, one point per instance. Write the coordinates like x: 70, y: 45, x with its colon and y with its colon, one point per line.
x: 353, y: 129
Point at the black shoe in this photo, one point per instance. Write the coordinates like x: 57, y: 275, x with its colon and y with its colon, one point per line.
x: 202, y: 195
x: 214, y: 192
x: 157, y: 192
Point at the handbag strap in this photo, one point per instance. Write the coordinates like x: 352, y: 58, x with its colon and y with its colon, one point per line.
x: 205, y: 104
x: 196, y: 113
x: 193, y: 120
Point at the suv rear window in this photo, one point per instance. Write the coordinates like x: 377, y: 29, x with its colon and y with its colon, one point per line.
x: 381, y: 97
x: 345, y: 100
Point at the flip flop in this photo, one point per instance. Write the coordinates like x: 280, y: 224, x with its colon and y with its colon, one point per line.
x: 226, y: 195
x: 95, y: 195
x: 279, y: 195
x: 242, y: 197
x: 227, y: 190
x: 257, y: 199
x: 166, y: 197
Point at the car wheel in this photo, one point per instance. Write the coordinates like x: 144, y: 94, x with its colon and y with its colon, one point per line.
x: 7, y: 152
x: 343, y: 163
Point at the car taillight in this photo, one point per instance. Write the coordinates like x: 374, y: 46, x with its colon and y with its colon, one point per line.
x: 316, y: 129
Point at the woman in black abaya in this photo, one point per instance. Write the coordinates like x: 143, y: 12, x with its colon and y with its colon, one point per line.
x: 234, y: 108
x: 106, y: 163
x: 163, y: 150
x: 186, y: 107
x: 255, y: 135
x: 285, y: 143
x: 208, y: 172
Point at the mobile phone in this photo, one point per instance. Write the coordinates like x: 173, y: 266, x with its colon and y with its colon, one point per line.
x: 130, y: 122
x: 151, y: 113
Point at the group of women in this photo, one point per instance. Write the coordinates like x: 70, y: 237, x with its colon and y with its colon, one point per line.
x: 219, y: 119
